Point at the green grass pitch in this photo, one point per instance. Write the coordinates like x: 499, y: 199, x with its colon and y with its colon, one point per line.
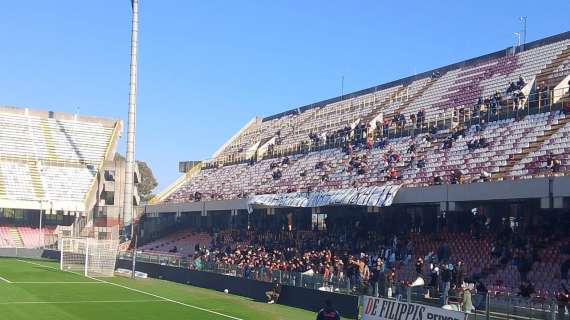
x: 33, y: 290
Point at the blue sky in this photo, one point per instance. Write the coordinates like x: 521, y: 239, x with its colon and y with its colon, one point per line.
x: 208, y: 67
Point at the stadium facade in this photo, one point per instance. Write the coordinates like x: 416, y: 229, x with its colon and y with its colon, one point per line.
x: 59, y: 164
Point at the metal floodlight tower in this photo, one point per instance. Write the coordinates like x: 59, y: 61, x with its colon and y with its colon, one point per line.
x: 129, y: 168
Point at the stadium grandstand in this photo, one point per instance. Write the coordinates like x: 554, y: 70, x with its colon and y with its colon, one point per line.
x: 58, y: 174
x: 455, y: 174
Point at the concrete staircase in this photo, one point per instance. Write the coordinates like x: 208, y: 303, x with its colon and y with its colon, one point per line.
x: 50, y: 144
x: 16, y: 237
x: 416, y: 95
x: 380, y: 106
x: 546, y: 73
x: 533, y: 146
x: 36, y: 179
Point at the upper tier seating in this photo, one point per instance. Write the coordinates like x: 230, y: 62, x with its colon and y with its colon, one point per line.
x: 517, y: 142
x: 455, y: 87
x: 31, y: 137
x: 50, y: 158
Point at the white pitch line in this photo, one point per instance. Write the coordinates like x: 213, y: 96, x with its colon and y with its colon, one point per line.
x: 56, y: 282
x: 143, y: 292
x: 80, y: 302
x: 5, y: 280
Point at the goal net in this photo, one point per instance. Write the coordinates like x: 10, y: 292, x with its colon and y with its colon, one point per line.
x: 92, y: 257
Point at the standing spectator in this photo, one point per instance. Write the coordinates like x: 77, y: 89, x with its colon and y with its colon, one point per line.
x: 434, y: 282
x: 543, y: 94
x: 467, y: 302
x: 524, y: 265
x: 458, y: 274
x: 375, y: 277
x: 445, y: 283
x: 480, y: 298
x: 420, y: 267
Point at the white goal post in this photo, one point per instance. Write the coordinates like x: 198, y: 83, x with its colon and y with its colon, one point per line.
x: 92, y: 257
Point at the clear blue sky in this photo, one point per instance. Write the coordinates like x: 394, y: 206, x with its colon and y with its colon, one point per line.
x: 207, y: 67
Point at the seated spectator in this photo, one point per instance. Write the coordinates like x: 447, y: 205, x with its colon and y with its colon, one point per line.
x: 277, y: 174
x: 473, y: 144
x: 421, y: 163
x: 552, y: 163
x: 447, y: 143
x: 392, y: 174
x: 484, y: 176
x: 420, y: 118
x: 369, y: 143
x: 285, y: 161
x: 512, y: 88
x: 437, y: 180
x: 432, y: 129
x: 457, y: 177
x: 392, y: 157
x: 412, y: 148
x: 526, y: 290
x: 362, y: 169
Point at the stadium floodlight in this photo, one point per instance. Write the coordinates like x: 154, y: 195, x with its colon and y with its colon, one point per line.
x: 88, y: 256
x: 128, y: 212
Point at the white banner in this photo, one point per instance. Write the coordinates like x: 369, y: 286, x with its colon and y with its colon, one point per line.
x: 377, y: 196
x: 387, y: 309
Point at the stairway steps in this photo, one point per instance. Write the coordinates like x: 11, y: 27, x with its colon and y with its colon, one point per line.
x: 533, y: 146
x: 15, y: 234
x: 36, y: 179
x: 416, y: 95
x: 50, y: 144
x: 553, y: 65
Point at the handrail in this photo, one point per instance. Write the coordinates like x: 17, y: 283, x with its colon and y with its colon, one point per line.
x: 449, y: 119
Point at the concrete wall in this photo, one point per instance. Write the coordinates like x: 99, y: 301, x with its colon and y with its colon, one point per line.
x: 308, y: 299
x: 538, y: 188
x: 29, y: 253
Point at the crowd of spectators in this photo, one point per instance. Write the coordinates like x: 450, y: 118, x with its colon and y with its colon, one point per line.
x: 369, y: 262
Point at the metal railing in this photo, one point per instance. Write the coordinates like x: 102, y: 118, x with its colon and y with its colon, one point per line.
x: 484, y: 305
x: 466, y: 115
